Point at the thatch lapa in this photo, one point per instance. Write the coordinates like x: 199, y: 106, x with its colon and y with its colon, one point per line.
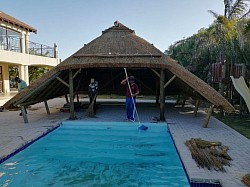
x: 104, y: 59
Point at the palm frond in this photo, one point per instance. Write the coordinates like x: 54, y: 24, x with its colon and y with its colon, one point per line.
x: 228, y: 7
x: 238, y: 8
x: 216, y: 15
x: 246, y: 15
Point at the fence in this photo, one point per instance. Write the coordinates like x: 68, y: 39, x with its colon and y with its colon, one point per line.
x: 13, y: 43
x: 41, y: 50
x: 236, y: 70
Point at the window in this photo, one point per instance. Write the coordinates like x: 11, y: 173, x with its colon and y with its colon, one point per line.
x: 10, y: 40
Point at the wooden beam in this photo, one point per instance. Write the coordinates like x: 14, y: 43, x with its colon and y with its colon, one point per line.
x: 165, y: 85
x: 76, y: 73
x: 162, y: 95
x: 178, y: 100
x: 71, y: 95
x: 157, y: 91
x: 78, y: 86
x: 24, y: 114
x: 184, y: 99
x: 209, y: 113
x: 47, y: 107
x: 77, y: 97
x: 197, y: 103
x: 62, y: 81
x: 51, y: 89
x: 66, y: 97
x: 158, y: 74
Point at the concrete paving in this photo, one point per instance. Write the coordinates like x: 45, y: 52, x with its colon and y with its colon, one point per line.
x: 14, y: 133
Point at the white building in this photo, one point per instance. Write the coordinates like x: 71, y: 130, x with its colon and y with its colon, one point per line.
x: 16, y: 50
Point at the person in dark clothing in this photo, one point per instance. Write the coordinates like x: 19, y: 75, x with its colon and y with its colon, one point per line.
x: 130, y: 96
x: 92, y: 92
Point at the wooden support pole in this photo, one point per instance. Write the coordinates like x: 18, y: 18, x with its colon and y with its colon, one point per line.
x: 183, y: 101
x: 47, y: 107
x: 197, y: 103
x: 178, y: 100
x: 208, y: 116
x: 78, y: 85
x: 24, y: 114
x: 241, y: 111
x: 77, y: 97
x: 71, y: 95
x: 67, y: 99
x: 162, y: 95
x: 157, y: 92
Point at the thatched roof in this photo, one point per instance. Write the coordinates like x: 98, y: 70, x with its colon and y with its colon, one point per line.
x: 15, y: 22
x: 105, y: 57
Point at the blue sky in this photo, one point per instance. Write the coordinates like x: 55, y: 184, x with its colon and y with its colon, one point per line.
x: 72, y: 23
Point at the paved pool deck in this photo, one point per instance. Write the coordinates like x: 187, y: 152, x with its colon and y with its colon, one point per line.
x: 14, y: 133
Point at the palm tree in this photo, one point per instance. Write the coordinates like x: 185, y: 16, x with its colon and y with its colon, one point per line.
x: 230, y: 28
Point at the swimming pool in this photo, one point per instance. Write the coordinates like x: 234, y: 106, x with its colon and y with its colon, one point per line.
x: 97, y: 154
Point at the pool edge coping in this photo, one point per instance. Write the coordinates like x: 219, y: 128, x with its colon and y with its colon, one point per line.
x: 24, y: 146
x: 195, y: 181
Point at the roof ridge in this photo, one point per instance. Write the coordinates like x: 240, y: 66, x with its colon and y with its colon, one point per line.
x: 118, y: 26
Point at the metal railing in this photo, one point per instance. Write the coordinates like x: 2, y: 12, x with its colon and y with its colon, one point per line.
x: 13, y: 43
x: 41, y: 50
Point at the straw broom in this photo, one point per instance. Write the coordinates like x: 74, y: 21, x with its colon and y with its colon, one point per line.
x: 90, y: 110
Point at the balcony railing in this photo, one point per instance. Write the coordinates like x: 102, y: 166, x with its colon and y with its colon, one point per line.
x: 41, y: 50
x: 13, y: 43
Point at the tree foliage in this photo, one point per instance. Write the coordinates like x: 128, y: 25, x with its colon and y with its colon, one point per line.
x: 226, y: 40
x: 36, y: 72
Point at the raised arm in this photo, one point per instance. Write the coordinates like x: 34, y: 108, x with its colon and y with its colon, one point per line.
x: 124, y: 81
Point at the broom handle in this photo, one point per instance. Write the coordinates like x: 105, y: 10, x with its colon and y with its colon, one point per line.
x: 131, y: 96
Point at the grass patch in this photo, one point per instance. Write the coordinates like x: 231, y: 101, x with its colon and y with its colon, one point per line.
x: 240, y: 124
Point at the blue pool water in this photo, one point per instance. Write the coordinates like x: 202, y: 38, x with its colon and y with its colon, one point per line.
x: 97, y: 154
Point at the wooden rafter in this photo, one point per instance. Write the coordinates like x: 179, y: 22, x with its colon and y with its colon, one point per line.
x: 62, y: 81
x: 165, y: 85
x: 158, y: 74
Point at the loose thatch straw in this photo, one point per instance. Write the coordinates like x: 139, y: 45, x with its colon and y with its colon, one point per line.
x: 246, y: 180
x: 211, y: 155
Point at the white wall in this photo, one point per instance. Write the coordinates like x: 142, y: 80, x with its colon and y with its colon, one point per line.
x: 26, y: 59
